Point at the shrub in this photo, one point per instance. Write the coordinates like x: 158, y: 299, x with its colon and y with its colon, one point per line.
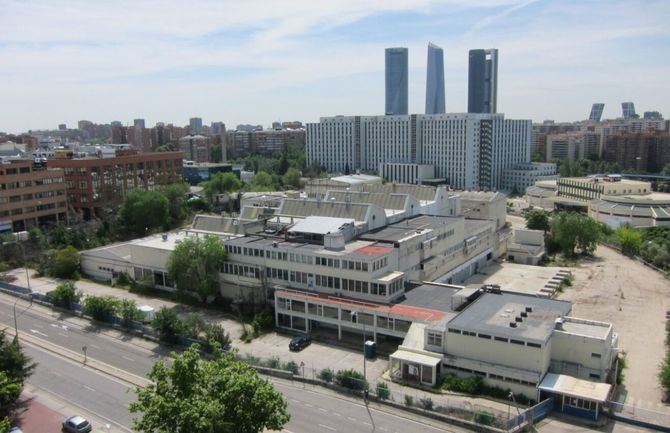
x: 123, y: 279
x: 291, y: 366
x: 262, y: 322
x: 215, y: 332
x: 128, y: 311
x: 327, y: 375
x: 426, y: 403
x: 383, y: 391
x: 274, y: 362
x: 620, y: 375
x: 193, y: 325
x: 65, y: 262
x: 64, y: 295
x: 101, y: 307
x: 351, y: 379
x: 468, y: 385
x: 167, y: 325
x: 409, y: 400
x: 483, y: 417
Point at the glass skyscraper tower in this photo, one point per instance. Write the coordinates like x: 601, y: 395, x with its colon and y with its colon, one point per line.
x: 396, y: 80
x: 435, y: 80
x: 483, y: 81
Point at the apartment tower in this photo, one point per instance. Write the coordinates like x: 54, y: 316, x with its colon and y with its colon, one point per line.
x: 483, y: 81
x: 435, y: 80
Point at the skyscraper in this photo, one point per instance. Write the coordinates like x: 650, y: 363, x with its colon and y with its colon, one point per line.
x: 483, y: 81
x: 396, y: 80
x: 435, y: 80
x: 628, y: 109
x: 196, y: 125
x: 597, y: 111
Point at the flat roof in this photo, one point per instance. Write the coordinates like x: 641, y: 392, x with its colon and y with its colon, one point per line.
x: 409, y: 227
x: 573, y: 387
x: 588, y: 328
x: 492, y: 313
x: 430, y: 296
x: 320, y: 225
x: 417, y: 358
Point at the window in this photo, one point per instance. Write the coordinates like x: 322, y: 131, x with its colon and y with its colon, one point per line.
x: 537, y: 346
x: 484, y: 336
x: 434, y: 339
x: 596, y: 355
x: 519, y: 342
x: 501, y: 339
x: 454, y: 331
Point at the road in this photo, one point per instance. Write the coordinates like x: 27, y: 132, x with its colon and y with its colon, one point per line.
x: 107, y: 397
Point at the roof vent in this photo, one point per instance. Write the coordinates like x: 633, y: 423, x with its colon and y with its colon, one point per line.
x: 529, y: 309
x: 512, y: 324
x: 275, y: 244
x: 165, y: 236
x: 518, y: 319
x: 524, y: 314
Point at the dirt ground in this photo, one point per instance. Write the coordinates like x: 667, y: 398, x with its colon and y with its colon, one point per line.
x: 634, y: 298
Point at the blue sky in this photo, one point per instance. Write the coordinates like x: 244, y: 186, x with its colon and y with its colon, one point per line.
x: 258, y: 61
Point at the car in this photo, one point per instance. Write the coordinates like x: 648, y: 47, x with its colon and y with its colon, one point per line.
x: 15, y: 430
x: 77, y: 424
x: 299, y: 342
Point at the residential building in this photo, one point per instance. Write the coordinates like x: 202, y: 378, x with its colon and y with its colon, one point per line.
x: 652, y: 115
x: 196, y: 148
x: 596, y: 112
x: 525, y: 175
x: 407, y: 172
x: 435, y: 80
x: 628, y: 110
x: 268, y: 143
x: 483, y: 81
x: 396, y: 81
x: 469, y: 151
x: 30, y: 195
x: 643, y: 152
x: 195, y: 125
x: 573, y: 145
x: 95, y: 186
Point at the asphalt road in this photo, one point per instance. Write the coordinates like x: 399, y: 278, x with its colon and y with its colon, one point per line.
x: 107, y: 397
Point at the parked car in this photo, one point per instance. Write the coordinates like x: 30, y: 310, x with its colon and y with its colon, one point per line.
x: 15, y: 430
x: 299, y: 342
x: 77, y: 424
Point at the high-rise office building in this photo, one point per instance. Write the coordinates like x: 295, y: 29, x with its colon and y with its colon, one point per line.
x: 196, y: 125
x: 596, y: 111
x: 435, y: 80
x: 483, y: 81
x: 396, y: 80
x: 628, y: 109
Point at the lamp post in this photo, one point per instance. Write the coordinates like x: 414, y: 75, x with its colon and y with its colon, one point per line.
x: 355, y: 314
x: 25, y: 267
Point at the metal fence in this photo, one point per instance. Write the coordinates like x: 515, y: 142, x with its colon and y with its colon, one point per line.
x: 533, y: 414
x: 639, y: 416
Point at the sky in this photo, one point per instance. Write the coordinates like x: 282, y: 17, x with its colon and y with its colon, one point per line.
x: 249, y: 61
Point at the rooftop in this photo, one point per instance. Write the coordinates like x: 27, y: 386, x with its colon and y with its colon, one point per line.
x: 321, y: 225
x: 431, y: 296
x: 410, y: 227
x: 492, y: 313
x: 356, y: 179
x: 481, y: 195
x: 587, y: 328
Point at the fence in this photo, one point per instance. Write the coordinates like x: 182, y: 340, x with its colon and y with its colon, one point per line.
x: 649, y: 418
x: 533, y: 414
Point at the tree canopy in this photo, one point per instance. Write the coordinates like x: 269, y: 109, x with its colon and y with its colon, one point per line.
x: 143, y: 211
x: 536, y: 219
x: 176, y: 197
x: 630, y: 239
x: 15, y: 368
x: 195, y: 263
x: 65, y: 262
x: 292, y: 178
x: 572, y: 231
x: 198, y: 396
x: 262, y: 181
x: 220, y: 183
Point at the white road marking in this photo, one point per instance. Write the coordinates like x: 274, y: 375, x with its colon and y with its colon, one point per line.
x: 367, y: 424
x: 89, y: 388
x: 351, y: 419
x: 53, y: 325
x: 35, y: 331
x: 295, y: 401
x: 55, y: 373
x: 337, y: 414
x: 327, y: 427
x: 63, y: 335
x: 308, y: 405
x: 323, y: 410
x: 128, y: 358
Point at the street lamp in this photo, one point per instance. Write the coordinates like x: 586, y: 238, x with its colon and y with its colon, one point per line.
x: 25, y: 266
x: 355, y: 314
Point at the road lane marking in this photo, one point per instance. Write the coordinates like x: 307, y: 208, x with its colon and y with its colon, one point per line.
x: 35, y: 331
x: 63, y: 335
x: 367, y: 424
x: 89, y: 388
x: 327, y: 427
x: 323, y: 410
x: 295, y: 401
x: 127, y: 358
x: 351, y: 419
x: 337, y: 414
x: 308, y: 405
x: 55, y: 373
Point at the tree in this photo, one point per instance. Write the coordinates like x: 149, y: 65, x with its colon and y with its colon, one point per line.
x: 143, y: 211
x: 195, y: 263
x: 176, y: 197
x: 128, y: 311
x: 65, y: 262
x: 220, y: 183
x: 214, y: 332
x: 167, y: 325
x: 630, y: 239
x: 666, y: 170
x: 193, y: 325
x: 101, y: 307
x: 536, y: 219
x: 198, y: 396
x: 64, y: 295
x: 10, y: 390
x: 13, y: 361
x: 291, y: 178
x: 262, y: 181
x: 571, y: 231
x: 282, y: 167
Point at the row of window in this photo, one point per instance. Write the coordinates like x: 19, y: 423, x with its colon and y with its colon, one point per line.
x: 31, y: 209
x: 580, y: 403
x: 29, y: 183
x: 491, y: 375
x: 496, y: 338
x: 22, y: 170
x: 435, y: 339
x: 25, y: 197
x: 158, y: 278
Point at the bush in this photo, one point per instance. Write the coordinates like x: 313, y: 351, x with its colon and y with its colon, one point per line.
x: 327, y: 375
x: 193, y: 325
x: 620, y: 375
x: 101, y: 307
x: 123, y: 279
x: 128, y: 311
x: 65, y: 295
x: 274, y: 362
x: 351, y: 379
x: 167, y: 325
x: 65, y: 262
x: 469, y: 385
x: 483, y: 417
x: 409, y: 400
x: 426, y: 403
x: 383, y: 391
x: 262, y: 322
x: 215, y: 332
x: 291, y: 366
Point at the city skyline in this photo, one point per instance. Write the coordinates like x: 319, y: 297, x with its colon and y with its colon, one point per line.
x: 257, y: 62
x: 435, y: 80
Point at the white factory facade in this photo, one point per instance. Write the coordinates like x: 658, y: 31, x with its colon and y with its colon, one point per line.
x: 465, y: 150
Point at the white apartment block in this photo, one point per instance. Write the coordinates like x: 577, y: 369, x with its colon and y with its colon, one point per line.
x: 525, y: 175
x: 470, y: 151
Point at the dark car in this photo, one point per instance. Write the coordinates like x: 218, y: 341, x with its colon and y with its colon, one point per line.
x: 76, y: 424
x: 299, y: 342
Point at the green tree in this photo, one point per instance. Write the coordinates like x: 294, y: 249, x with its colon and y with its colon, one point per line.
x: 292, y: 178
x: 64, y: 295
x: 629, y: 239
x: 215, y: 333
x: 128, y: 311
x: 666, y: 170
x: 65, y: 262
x: 195, y: 263
x: 536, y: 219
x: 143, y: 211
x: 10, y: 390
x: 572, y: 231
x: 193, y: 325
x: 101, y: 307
x: 167, y: 325
x: 176, y: 197
x: 262, y: 181
x: 220, y: 183
x: 13, y: 361
x: 198, y: 396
